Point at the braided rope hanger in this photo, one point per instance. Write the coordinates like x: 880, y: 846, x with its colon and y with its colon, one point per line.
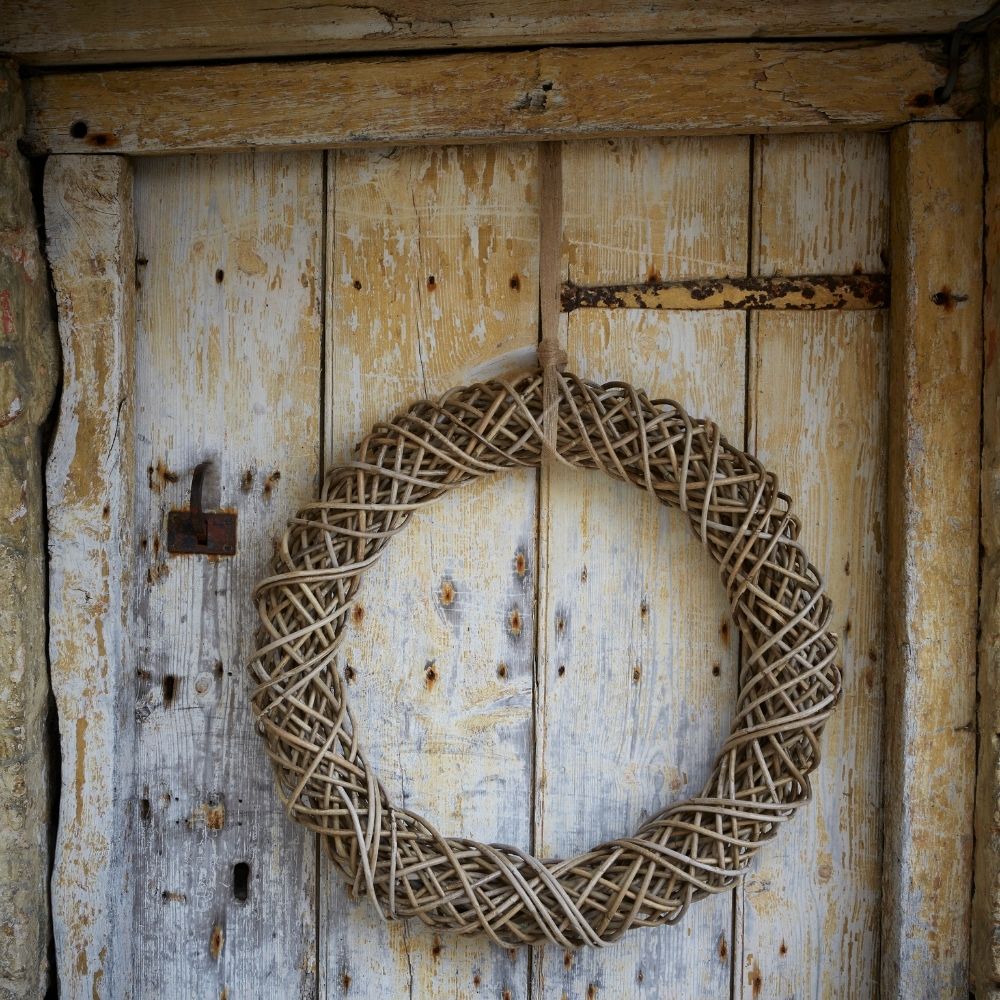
x: 789, y: 682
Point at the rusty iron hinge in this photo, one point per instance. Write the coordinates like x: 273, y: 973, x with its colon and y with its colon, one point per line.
x: 199, y: 532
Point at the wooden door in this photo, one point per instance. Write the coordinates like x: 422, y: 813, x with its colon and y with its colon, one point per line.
x: 542, y: 659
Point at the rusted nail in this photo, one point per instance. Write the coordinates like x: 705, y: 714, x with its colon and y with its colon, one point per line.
x: 947, y: 298
x: 216, y: 941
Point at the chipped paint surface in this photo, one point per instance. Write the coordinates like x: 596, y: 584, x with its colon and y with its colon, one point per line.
x: 619, y: 574
x: 422, y: 247
x: 228, y: 370
x: 626, y: 654
x: 91, y: 250
x: 818, y: 413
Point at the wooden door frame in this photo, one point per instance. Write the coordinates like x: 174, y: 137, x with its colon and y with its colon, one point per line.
x: 95, y: 122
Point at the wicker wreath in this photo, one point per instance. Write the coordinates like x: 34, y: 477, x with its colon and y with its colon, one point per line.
x: 789, y: 681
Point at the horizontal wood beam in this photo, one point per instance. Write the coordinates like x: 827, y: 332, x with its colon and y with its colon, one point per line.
x: 839, y: 291
x: 554, y: 93
x: 66, y: 32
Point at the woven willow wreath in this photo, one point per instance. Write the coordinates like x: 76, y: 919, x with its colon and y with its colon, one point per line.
x: 788, y: 684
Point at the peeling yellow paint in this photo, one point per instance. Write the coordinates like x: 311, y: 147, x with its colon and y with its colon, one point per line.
x: 248, y: 260
x: 81, y: 767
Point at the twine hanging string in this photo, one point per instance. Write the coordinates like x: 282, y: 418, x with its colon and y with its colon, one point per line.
x: 552, y: 360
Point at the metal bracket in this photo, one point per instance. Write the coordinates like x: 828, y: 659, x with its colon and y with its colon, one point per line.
x: 197, y: 532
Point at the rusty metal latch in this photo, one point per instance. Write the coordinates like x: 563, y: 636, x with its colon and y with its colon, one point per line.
x: 199, y: 532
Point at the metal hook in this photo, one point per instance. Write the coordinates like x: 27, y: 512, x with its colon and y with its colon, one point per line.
x: 198, y: 522
x: 977, y: 24
x: 200, y: 532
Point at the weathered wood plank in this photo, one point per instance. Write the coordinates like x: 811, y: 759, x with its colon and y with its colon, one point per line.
x: 29, y: 361
x: 986, y: 902
x: 228, y: 369
x: 91, y: 248
x: 655, y: 209
x: 810, y: 909
x: 934, y: 413
x: 637, y: 662
x: 635, y: 649
x: 432, y: 276
x: 71, y: 31
x: 538, y: 94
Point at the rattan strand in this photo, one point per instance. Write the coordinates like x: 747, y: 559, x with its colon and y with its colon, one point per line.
x: 789, y: 680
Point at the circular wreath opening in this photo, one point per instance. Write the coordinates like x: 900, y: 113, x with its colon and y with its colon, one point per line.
x: 789, y: 681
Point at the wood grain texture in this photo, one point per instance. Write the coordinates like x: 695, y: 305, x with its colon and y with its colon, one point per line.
x: 622, y: 657
x: 933, y: 484
x: 810, y: 910
x: 29, y: 372
x: 91, y: 249
x: 228, y: 369
x: 986, y: 901
x: 432, y: 278
x: 555, y: 93
x: 42, y: 32
x: 662, y: 208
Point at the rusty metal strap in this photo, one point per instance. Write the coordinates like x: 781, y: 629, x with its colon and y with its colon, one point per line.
x: 813, y: 292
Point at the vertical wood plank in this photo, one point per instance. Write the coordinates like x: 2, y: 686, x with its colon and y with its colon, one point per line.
x: 229, y: 348
x: 432, y: 276
x: 810, y: 908
x: 934, y: 414
x: 91, y: 248
x: 29, y: 373
x: 637, y: 663
x: 986, y: 901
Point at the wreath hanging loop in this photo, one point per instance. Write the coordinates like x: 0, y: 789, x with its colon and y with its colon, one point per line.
x: 552, y: 360
x: 789, y: 681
